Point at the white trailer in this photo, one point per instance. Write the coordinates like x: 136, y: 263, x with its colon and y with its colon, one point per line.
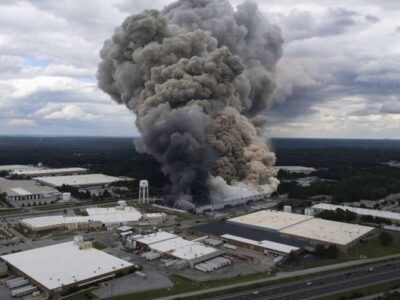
x: 17, y: 284
x: 29, y: 289
x: 8, y: 282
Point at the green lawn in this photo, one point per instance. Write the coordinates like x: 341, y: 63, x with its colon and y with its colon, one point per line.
x: 99, y: 246
x: 372, y: 249
x: 80, y: 212
x: 5, y: 234
x: 7, y: 211
x: 54, y: 206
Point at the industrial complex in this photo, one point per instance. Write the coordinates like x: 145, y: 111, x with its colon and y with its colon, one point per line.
x: 140, y: 236
x: 39, y: 172
x: 88, y: 180
x: 312, y: 230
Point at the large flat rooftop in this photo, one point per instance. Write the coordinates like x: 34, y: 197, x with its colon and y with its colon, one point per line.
x: 43, y: 172
x: 155, y: 237
x: 222, y: 228
x: 328, y: 231
x: 78, y: 180
x: 183, y: 249
x: 111, y: 215
x: 270, y: 219
x: 24, y: 187
x: 64, y: 264
x: 10, y: 168
x: 267, y: 245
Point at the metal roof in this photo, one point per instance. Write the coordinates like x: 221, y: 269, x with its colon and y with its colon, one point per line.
x: 221, y: 228
x: 268, y: 245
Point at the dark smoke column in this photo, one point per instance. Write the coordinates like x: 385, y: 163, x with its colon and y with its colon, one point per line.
x: 197, y: 76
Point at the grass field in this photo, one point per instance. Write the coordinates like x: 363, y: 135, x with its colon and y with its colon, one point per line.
x: 54, y: 206
x: 7, y: 211
x: 80, y: 212
x: 372, y: 249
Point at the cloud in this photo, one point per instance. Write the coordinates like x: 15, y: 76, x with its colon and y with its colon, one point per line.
x: 338, y: 75
x: 392, y: 107
x: 70, y: 112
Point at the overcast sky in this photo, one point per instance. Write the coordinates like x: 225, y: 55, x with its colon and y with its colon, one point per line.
x: 344, y: 58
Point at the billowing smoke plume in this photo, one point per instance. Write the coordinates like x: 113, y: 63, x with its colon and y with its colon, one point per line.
x: 197, y: 75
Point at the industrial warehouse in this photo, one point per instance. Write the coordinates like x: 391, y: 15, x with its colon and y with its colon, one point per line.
x: 172, y: 246
x: 343, y: 235
x: 12, y: 168
x: 97, y: 217
x: 41, y: 172
x: 27, y: 192
x: 87, y: 180
x: 63, y: 268
x: 284, y: 230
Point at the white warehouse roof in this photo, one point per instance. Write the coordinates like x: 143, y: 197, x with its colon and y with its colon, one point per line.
x: 183, y: 249
x: 41, y: 172
x: 328, y: 231
x: 156, y: 237
x: 9, y: 168
x: 361, y: 211
x: 304, y: 226
x: 25, y: 187
x: 78, y: 180
x: 267, y: 245
x: 64, y: 264
x: 270, y: 219
x: 103, y: 215
x: 176, y: 246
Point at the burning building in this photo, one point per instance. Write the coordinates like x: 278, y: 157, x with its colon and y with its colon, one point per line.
x: 198, y: 76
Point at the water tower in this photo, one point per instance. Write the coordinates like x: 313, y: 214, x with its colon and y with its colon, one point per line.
x: 144, y: 192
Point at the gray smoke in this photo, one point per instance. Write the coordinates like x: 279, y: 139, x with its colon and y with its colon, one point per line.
x: 197, y: 75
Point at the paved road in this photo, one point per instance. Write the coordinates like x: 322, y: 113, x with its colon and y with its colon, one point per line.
x: 283, y: 275
x: 318, y: 286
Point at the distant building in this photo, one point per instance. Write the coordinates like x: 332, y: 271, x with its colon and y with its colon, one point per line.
x: 12, y: 168
x: 90, y: 181
x: 27, y: 192
x: 296, y: 169
x: 97, y: 218
x: 30, y: 173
